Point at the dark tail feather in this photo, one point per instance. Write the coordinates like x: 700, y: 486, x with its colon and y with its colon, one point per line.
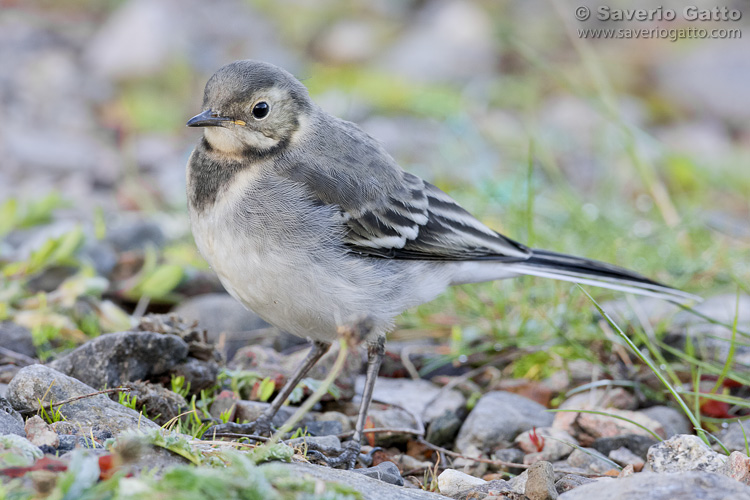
x: 585, y: 271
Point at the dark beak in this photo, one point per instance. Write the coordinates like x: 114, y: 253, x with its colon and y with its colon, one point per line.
x: 208, y: 118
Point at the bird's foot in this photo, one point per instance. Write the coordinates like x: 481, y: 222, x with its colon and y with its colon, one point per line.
x: 261, y: 427
x: 345, y: 457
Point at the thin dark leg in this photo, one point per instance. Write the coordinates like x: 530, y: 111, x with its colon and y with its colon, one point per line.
x: 262, y: 425
x: 348, y: 458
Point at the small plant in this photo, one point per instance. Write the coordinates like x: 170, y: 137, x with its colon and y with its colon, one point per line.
x: 179, y: 386
x: 127, y: 400
x: 536, y: 439
x: 51, y: 415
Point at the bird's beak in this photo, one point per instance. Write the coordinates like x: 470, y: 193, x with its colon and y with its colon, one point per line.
x: 208, y: 118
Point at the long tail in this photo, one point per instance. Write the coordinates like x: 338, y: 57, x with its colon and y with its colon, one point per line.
x: 563, y: 267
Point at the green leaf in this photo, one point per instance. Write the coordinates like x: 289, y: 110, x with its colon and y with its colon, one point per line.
x: 161, y: 281
x: 267, y: 386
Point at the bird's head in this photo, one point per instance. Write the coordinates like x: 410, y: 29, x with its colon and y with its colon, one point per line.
x: 252, y: 107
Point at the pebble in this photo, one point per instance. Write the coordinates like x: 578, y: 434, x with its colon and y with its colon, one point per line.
x: 683, y: 453
x: 385, y: 471
x: 40, y: 433
x: 498, y: 418
x: 11, y: 422
x: 591, y: 460
x: 541, y: 482
x: 636, y: 443
x: 17, y: 338
x: 556, y: 444
x: 624, y: 457
x: 96, y: 414
x: 649, y: 486
x: 115, y: 358
x: 453, y: 483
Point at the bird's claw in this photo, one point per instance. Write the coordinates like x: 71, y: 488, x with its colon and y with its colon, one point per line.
x: 345, y: 457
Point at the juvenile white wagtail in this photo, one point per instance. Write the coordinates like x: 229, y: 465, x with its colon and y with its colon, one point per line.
x: 310, y: 223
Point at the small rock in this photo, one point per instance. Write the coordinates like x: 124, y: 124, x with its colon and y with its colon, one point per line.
x: 636, y: 443
x: 135, y: 235
x: 518, y: 483
x: 368, y: 488
x: 672, y: 421
x: 625, y: 457
x: 553, y: 441
x: 40, y: 434
x: 158, y: 402
x: 453, y: 483
x: 224, y: 318
x: 418, y: 396
x: 590, y: 459
x: 604, y: 399
x: 391, y: 417
x: 587, y: 427
x: 737, y: 467
x: 17, y: 338
x: 324, y: 428
x: 17, y: 451
x: 198, y: 373
x: 385, y: 471
x: 493, y: 489
x: 570, y: 481
x: 498, y: 418
x: 734, y: 438
x: 37, y: 383
x: 335, y: 416
x: 683, y: 453
x: 323, y: 441
x: 541, y: 482
x: 443, y: 429
x: 650, y: 486
x: 512, y: 455
x: 11, y: 422
x: 69, y: 442
x: 626, y: 471
x: 115, y: 358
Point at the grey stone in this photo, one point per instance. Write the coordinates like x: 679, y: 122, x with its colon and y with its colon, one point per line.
x: 556, y: 444
x: 672, y: 421
x: 453, y: 483
x: 369, y: 488
x: 492, y: 489
x: 224, y: 318
x: 708, y: 79
x: 135, y: 235
x: 325, y: 441
x: 634, y: 442
x: 570, y: 481
x: 17, y: 338
x: 591, y: 460
x: 155, y: 400
x: 325, y: 428
x: 733, y: 438
x: 449, y: 40
x: 541, y: 482
x: 649, y: 486
x: 17, y: 451
x: 417, y: 396
x: 11, y: 422
x: 198, y: 373
x: 69, y: 442
x: 115, y: 358
x: 37, y: 383
x: 683, y: 453
x: 498, y: 418
x: 443, y: 429
x: 385, y: 471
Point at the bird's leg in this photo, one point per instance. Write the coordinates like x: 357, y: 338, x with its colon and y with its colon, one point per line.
x: 348, y: 457
x: 262, y: 425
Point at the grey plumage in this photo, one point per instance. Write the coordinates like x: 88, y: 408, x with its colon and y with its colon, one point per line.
x: 309, y: 222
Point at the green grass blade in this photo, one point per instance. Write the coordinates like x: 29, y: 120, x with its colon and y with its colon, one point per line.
x: 732, y: 345
x: 651, y: 365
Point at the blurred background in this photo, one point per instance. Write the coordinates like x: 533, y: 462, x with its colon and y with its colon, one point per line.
x: 632, y: 151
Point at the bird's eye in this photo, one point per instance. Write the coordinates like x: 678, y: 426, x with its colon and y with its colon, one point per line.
x: 261, y: 110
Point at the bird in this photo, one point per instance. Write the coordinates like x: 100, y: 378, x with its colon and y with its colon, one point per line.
x: 309, y: 222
